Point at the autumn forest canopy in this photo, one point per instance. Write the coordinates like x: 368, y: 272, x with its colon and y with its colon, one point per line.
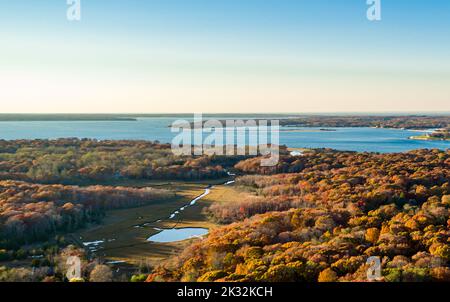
x: 319, y: 217
x: 313, y: 217
x: 75, y: 161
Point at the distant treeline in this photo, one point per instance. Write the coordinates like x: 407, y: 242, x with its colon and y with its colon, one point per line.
x: 413, y: 122
x: 16, y: 117
x: 398, y: 122
x: 441, y: 134
x: 75, y: 161
x: 63, y: 117
x: 418, y: 122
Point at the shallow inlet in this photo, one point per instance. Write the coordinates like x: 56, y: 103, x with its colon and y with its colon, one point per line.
x: 173, y: 235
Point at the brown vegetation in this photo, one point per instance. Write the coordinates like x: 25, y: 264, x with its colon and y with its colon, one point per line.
x: 72, y: 161
x: 323, y: 221
x: 32, y: 212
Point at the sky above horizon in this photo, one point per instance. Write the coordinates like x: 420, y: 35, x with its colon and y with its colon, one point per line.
x: 214, y: 56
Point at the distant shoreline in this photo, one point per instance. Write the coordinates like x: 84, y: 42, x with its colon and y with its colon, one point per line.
x: 308, y: 130
x: 322, y: 123
x: 64, y: 118
x: 436, y: 135
x: 426, y: 138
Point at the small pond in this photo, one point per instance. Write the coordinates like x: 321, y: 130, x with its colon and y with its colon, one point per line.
x: 173, y: 235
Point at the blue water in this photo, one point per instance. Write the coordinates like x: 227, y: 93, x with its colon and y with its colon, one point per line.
x: 354, y: 139
x: 173, y: 235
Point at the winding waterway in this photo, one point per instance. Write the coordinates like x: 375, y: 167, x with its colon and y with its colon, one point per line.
x: 179, y: 234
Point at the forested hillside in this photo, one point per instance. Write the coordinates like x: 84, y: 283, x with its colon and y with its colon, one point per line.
x: 313, y: 217
x: 50, y: 189
x: 32, y: 212
x: 72, y: 161
x: 324, y: 219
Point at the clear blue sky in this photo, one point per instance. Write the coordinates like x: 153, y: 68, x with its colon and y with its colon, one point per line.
x: 224, y: 56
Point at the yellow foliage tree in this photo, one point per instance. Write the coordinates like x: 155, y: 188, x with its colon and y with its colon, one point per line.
x: 372, y: 235
x: 328, y: 275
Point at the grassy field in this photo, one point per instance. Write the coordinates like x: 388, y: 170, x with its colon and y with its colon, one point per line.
x: 125, y: 241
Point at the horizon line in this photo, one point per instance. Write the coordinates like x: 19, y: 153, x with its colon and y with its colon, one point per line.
x: 227, y: 113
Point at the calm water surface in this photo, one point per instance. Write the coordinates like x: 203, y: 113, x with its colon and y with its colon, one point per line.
x: 354, y: 139
x: 173, y: 235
